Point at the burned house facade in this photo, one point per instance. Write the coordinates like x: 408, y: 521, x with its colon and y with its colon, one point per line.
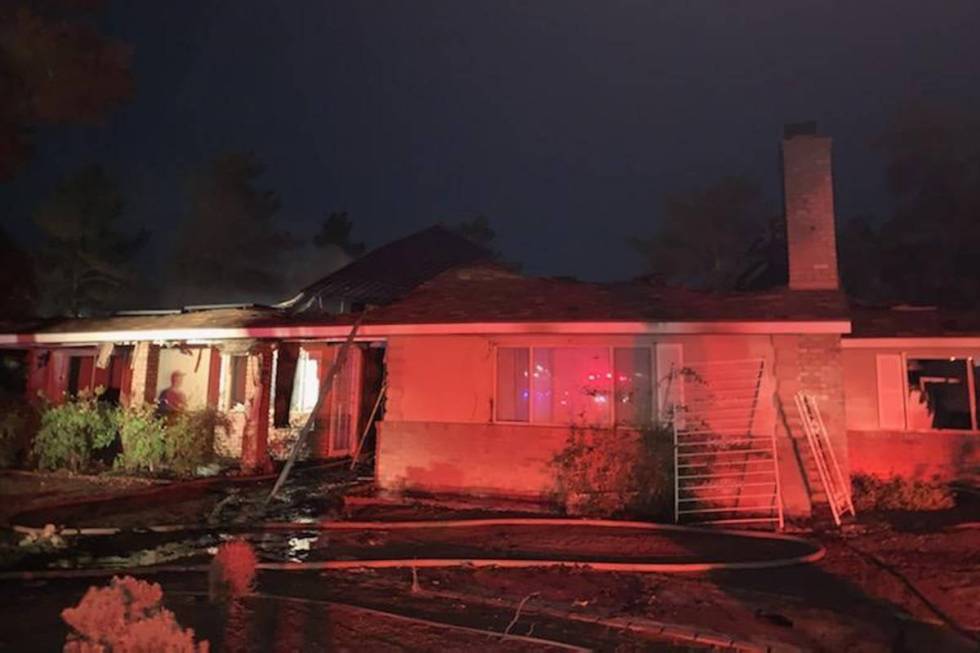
x: 482, y: 374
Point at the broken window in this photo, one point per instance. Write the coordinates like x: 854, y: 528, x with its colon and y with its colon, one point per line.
x: 574, y: 385
x: 939, y: 393
x: 237, y: 368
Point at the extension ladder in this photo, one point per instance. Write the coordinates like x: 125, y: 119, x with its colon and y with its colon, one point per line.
x: 725, y: 466
x: 836, y: 488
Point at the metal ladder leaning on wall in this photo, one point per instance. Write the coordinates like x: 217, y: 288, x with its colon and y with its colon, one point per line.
x: 834, y: 485
x: 725, y: 471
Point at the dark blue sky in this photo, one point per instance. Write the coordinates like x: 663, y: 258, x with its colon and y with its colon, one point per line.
x: 563, y: 121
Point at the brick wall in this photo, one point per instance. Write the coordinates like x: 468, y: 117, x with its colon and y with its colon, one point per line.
x: 811, y: 363
x: 809, y: 197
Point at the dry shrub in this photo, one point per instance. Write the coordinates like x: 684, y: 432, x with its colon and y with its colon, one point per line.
x: 616, y: 473
x: 232, y: 572
x: 126, y: 617
x: 871, y: 493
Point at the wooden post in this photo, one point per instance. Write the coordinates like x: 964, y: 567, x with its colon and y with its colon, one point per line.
x: 258, y: 386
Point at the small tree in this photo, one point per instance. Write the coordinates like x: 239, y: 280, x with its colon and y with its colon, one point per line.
x: 126, y: 616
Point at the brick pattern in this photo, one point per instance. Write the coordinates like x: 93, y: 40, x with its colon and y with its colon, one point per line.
x: 810, y: 231
x: 811, y: 363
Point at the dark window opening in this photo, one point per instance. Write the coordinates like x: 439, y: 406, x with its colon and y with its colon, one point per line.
x: 74, y: 374
x: 238, y: 367
x: 939, y: 394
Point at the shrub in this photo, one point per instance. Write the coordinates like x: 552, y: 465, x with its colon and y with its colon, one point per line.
x: 18, y: 422
x: 144, y: 438
x: 605, y: 473
x: 190, y: 439
x: 126, y: 616
x: 870, y: 493
x: 70, y: 433
x: 232, y: 573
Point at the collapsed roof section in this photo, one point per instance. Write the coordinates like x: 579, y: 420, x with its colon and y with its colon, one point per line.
x: 387, y: 273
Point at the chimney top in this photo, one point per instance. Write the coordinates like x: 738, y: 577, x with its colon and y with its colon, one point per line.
x: 809, y: 204
x: 807, y: 128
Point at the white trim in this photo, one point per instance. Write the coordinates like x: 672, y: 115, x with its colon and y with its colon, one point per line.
x: 465, y: 328
x: 907, y: 343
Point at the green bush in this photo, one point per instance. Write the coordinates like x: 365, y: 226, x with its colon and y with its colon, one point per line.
x: 143, y: 436
x: 190, y: 439
x: 609, y: 473
x: 870, y: 493
x: 180, y: 442
x: 70, y: 433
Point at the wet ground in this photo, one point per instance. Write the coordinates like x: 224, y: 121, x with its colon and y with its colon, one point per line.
x: 906, y: 582
x: 313, y: 616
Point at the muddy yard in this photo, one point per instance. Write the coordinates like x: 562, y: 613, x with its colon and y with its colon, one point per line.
x: 890, y: 582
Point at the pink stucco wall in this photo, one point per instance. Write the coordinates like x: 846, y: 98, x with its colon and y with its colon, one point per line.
x: 945, y: 455
x: 438, y: 433
x: 923, y: 455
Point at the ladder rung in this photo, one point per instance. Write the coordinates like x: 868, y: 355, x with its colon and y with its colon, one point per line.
x: 768, y: 495
x: 706, y: 443
x: 752, y: 461
x: 725, y: 474
x: 715, y: 487
x: 746, y: 520
x: 734, y: 509
x: 723, y: 451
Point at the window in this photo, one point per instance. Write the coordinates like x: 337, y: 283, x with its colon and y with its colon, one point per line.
x: 574, y: 385
x: 941, y: 393
x: 306, y: 384
x: 513, y: 392
x: 237, y: 367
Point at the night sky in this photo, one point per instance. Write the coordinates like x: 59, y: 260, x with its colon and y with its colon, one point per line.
x: 564, y: 122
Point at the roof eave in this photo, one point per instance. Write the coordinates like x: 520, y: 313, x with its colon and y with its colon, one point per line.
x: 463, y: 328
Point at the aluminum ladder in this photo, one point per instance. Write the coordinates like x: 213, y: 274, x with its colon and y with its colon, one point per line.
x: 725, y: 467
x: 838, y: 491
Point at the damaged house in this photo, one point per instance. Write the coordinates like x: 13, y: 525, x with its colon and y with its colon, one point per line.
x: 485, y: 373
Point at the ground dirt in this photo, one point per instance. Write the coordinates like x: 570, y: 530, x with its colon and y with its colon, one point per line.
x: 890, y: 582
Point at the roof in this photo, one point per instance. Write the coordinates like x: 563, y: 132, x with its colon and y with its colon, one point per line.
x: 914, y: 322
x: 178, y: 325
x: 391, y: 271
x: 491, y: 294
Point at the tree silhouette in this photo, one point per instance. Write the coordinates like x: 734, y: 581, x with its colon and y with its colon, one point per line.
x: 335, y: 230
x: 230, y: 247
x: 928, y: 246
x: 55, y: 69
x: 18, y: 285
x: 85, y: 256
x: 705, y: 237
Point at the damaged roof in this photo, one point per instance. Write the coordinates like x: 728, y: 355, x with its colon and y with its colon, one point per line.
x: 492, y: 294
x: 389, y: 272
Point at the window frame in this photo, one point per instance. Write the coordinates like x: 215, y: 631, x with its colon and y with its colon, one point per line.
x: 970, y: 361
x: 226, y: 382
x: 612, y: 422
x: 300, y: 381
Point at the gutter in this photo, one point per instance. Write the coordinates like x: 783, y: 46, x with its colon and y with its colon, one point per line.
x: 381, y: 331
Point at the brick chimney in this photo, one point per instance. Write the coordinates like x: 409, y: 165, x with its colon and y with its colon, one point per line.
x: 809, y: 204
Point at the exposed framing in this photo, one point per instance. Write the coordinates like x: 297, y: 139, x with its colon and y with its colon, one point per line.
x: 971, y: 383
